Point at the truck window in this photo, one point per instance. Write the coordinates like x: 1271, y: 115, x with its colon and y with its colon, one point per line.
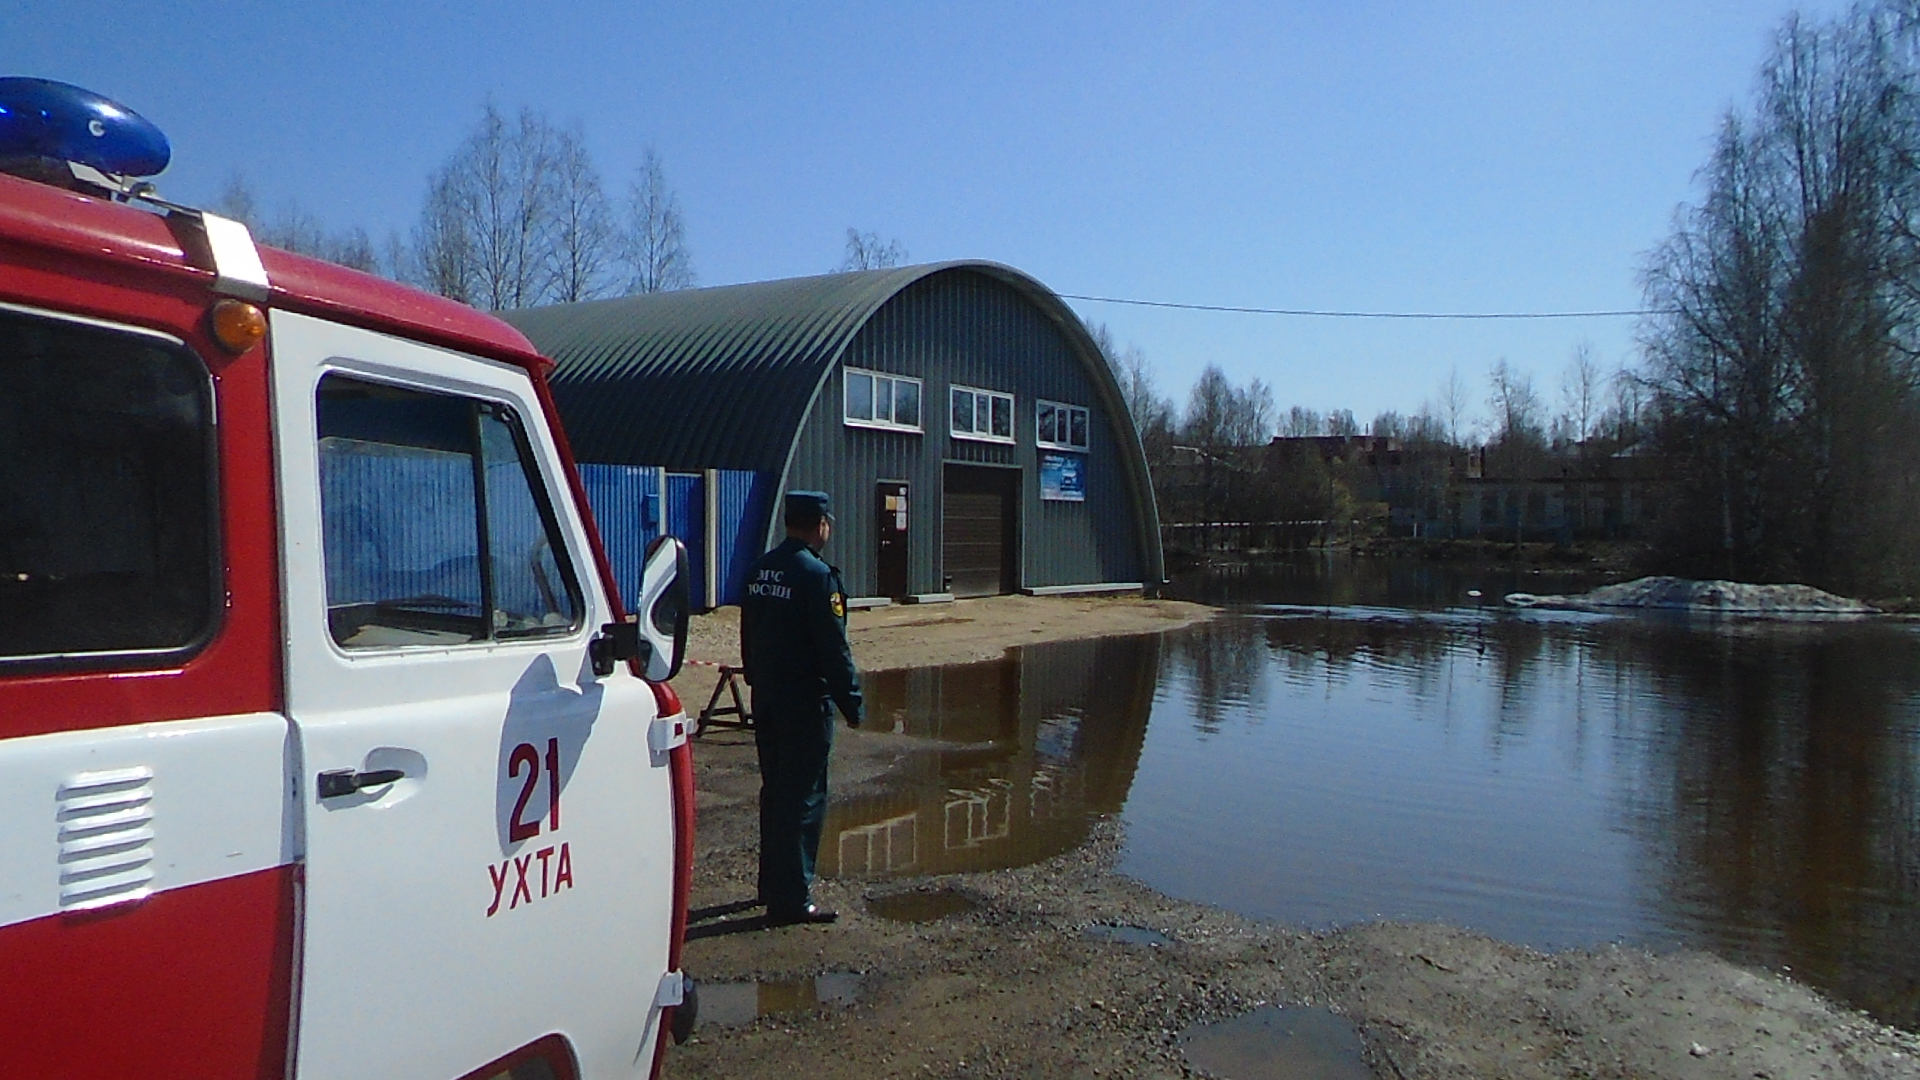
x: 436, y: 528
x: 107, y: 492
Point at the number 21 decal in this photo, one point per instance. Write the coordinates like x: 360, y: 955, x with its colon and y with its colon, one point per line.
x: 526, y: 759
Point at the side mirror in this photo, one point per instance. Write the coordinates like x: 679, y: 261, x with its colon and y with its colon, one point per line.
x: 663, y: 609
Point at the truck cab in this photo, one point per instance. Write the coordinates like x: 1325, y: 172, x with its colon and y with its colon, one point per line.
x: 327, y: 749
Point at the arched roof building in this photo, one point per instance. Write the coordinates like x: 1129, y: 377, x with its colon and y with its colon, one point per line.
x: 972, y: 435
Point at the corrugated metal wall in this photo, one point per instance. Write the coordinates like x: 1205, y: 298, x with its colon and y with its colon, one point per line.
x: 967, y: 328
x: 627, y: 504
x: 743, y: 502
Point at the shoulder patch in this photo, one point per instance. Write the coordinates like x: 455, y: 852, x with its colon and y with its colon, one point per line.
x: 839, y: 604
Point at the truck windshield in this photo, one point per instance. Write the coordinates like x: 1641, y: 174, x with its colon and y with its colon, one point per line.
x: 106, y: 491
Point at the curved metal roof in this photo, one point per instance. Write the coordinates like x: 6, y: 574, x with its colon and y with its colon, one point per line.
x: 723, y: 377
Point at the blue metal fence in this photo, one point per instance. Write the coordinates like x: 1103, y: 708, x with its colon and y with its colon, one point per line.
x: 631, y: 509
x: 741, y: 528
x: 401, y: 523
x: 626, y: 506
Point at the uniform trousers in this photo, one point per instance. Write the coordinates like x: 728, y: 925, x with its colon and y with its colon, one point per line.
x: 793, y: 732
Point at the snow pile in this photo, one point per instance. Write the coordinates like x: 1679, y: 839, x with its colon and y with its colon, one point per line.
x: 1705, y: 597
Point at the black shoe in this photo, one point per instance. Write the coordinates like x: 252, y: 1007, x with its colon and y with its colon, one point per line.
x: 812, y: 913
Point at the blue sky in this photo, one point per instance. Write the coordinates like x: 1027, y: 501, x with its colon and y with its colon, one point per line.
x: 1475, y: 155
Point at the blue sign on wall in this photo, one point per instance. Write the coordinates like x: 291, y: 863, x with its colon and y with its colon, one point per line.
x: 1063, y: 477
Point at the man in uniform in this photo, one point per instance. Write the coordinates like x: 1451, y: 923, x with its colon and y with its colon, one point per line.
x: 793, y: 643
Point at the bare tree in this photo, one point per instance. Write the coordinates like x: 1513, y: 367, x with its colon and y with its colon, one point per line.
x: 1210, y: 408
x: 441, y: 258
x: 1580, y: 389
x: 1301, y: 422
x: 866, y: 251
x: 354, y: 249
x: 584, y: 245
x: 486, y: 233
x: 1514, y: 404
x: 1785, y: 368
x: 1452, y: 404
x: 292, y: 228
x: 1152, y: 414
x: 237, y: 201
x: 1253, y: 414
x: 1222, y: 416
x: 1341, y: 422
x: 656, y: 233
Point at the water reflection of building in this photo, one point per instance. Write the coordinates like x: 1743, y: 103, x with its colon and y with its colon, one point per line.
x: 1038, y: 744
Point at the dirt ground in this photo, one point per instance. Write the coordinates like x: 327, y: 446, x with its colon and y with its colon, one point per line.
x: 919, y: 635
x: 1009, y: 984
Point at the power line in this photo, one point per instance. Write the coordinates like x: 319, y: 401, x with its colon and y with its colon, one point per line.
x: 1307, y: 313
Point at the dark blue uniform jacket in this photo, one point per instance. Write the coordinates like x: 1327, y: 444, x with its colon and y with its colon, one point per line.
x: 793, y: 630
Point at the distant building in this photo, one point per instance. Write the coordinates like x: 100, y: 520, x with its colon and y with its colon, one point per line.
x: 1432, y: 490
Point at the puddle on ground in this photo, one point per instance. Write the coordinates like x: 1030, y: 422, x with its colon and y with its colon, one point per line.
x: 921, y: 906
x: 736, y: 1004
x: 1275, y: 1043
x: 1127, y: 935
x: 1037, y: 746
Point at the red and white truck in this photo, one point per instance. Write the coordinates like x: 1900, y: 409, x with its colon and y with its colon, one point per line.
x: 326, y: 747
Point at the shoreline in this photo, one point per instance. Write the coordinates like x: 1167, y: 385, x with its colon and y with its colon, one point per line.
x: 1006, y: 983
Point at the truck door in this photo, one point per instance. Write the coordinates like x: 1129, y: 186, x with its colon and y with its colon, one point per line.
x: 487, y: 837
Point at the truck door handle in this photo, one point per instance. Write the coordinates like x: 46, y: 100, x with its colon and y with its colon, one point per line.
x: 337, y: 782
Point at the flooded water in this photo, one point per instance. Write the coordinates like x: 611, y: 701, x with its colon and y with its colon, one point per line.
x: 1127, y: 935
x: 736, y: 1004
x: 920, y: 906
x: 1358, y: 744
x: 1274, y: 1043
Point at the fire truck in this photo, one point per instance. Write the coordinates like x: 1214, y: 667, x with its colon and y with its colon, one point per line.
x: 327, y: 748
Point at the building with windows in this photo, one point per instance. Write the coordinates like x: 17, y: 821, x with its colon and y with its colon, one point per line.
x: 971, y: 434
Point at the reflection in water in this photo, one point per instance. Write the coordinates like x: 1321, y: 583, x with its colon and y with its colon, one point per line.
x: 740, y: 1003
x: 920, y: 905
x: 1047, y: 738
x: 1559, y: 780
x: 1780, y: 810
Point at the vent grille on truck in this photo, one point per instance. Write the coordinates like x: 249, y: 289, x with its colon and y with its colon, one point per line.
x: 106, y: 838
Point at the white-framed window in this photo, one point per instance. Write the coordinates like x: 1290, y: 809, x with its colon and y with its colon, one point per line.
x: 1060, y: 426
x: 985, y: 415
x: 882, y: 401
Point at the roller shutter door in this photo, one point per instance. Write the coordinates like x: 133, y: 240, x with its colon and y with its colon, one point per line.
x: 978, y: 530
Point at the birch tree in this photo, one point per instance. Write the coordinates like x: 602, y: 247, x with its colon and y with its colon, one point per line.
x: 657, y: 256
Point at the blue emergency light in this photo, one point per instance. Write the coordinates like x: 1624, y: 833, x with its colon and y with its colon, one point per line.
x: 52, y: 120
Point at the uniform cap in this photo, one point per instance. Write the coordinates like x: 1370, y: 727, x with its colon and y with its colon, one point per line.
x: 808, y: 505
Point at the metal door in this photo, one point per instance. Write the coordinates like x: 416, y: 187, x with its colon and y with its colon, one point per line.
x: 504, y: 869
x: 890, y: 517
